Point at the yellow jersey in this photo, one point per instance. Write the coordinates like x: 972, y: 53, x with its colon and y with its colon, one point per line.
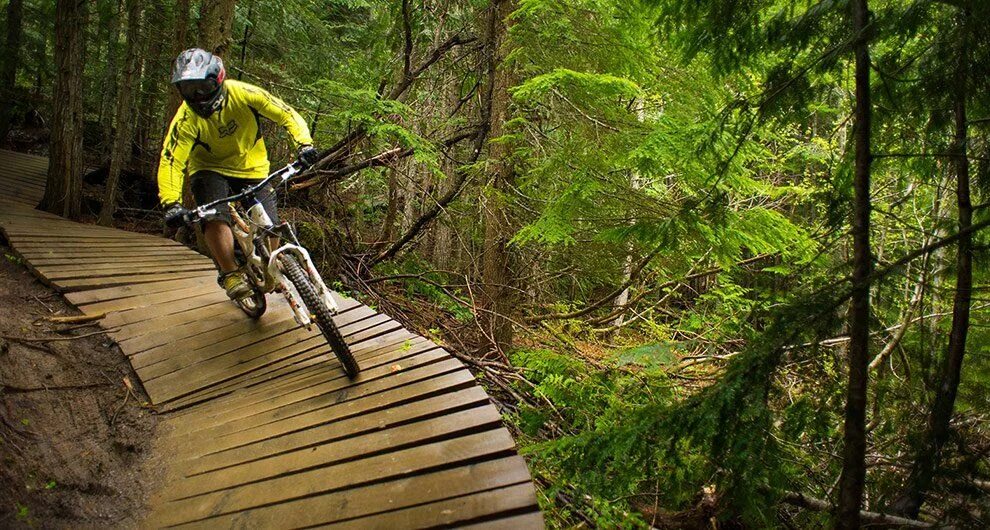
x: 229, y: 142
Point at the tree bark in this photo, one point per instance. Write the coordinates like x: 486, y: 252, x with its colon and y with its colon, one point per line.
x: 216, y: 20
x: 152, y: 72
x: 123, y: 111
x: 854, y: 438
x: 63, y: 193
x: 111, y: 79
x: 929, y: 456
x: 181, y: 43
x: 11, y: 62
x: 497, y: 295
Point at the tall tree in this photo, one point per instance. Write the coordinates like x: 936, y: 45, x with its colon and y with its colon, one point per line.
x: 63, y: 193
x: 154, y: 71
x: 111, y: 78
x: 926, y: 463
x: 216, y: 21
x: 123, y: 111
x: 497, y: 270
x: 11, y: 61
x: 181, y: 43
x: 854, y: 438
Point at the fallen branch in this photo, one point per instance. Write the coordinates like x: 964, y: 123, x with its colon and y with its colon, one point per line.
x: 52, y: 339
x: 76, y: 319
x: 20, y: 389
x: 818, y: 505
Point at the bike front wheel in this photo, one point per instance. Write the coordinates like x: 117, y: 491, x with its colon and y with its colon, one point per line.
x: 319, y: 312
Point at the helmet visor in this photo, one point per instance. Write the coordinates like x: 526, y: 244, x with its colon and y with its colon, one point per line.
x: 198, y: 90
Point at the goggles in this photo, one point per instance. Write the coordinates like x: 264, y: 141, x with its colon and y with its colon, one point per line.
x: 198, y: 90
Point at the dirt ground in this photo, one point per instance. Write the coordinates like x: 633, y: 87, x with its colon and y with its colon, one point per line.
x: 75, y: 440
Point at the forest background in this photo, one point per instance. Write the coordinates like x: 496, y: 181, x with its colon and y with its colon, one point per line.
x: 715, y: 260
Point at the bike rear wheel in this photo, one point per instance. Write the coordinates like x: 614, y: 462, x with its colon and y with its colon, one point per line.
x: 253, y: 305
x: 320, y: 313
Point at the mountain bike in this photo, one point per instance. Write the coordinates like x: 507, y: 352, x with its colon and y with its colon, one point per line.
x: 274, y: 261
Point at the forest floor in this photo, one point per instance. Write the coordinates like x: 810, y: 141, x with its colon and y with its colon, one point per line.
x: 75, y: 439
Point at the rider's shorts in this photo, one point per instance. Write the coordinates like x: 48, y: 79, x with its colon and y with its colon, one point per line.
x: 208, y: 186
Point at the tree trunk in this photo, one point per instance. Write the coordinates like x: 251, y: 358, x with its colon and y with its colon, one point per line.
x: 216, y: 20
x: 929, y: 456
x: 111, y: 79
x: 181, y: 43
x: 244, y: 42
x: 125, y: 104
x: 854, y: 438
x: 153, y: 70
x: 63, y: 193
x: 497, y: 263
x: 11, y: 61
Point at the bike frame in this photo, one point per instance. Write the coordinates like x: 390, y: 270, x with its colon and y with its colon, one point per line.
x: 257, y: 230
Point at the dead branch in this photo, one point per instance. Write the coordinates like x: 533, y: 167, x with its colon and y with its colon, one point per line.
x: 20, y: 389
x: 53, y: 339
x: 76, y: 319
x: 633, y: 276
x: 818, y: 505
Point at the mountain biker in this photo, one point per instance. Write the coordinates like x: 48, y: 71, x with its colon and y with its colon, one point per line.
x: 217, y: 136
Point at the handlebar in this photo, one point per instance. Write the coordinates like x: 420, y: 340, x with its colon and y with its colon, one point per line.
x: 280, y: 176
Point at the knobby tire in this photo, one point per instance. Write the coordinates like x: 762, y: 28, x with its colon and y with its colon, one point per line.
x: 320, y: 313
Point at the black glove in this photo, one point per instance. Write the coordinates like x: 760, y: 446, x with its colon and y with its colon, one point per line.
x: 308, y: 155
x: 175, y: 215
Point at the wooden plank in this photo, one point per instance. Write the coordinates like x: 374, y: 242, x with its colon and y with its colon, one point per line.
x: 373, y: 332
x: 68, y: 236
x: 287, y: 366
x: 33, y: 238
x: 136, y: 261
x: 16, y: 181
x: 63, y: 273
x: 385, y: 440
x: 198, y: 346
x: 87, y: 299
x: 21, y: 191
x: 276, y: 376
x: 238, y: 363
x: 27, y: 198
x: 279, y: 318
x: 320, y: 382
x: 451, y: 512
x: 324, y: 407
x: 199, y: 299
x: 98, y: 245
x: 268, y: 339
x: 146, y: 335
x: 416, y: 460
x: 27, y: 212
x: 376, y: 498
x: 290, y: 372
x: 116, y: 281
x: 234, y: 353
x: 97, y: 253
x: 26, y: 231
x: 197, y: 462
x: 36, y: 222
x: 183, y: 323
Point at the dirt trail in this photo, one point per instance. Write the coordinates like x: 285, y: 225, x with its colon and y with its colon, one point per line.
x: 74, y: 443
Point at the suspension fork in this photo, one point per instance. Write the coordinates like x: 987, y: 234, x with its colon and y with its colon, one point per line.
x: 302, y: 256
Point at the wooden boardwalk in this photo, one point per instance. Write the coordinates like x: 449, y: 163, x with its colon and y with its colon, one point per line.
x: 265, y: 429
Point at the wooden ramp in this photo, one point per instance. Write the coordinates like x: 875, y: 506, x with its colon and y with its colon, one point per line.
x: 265, y: 429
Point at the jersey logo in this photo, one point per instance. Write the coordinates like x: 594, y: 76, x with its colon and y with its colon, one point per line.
x: 229, y: 129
